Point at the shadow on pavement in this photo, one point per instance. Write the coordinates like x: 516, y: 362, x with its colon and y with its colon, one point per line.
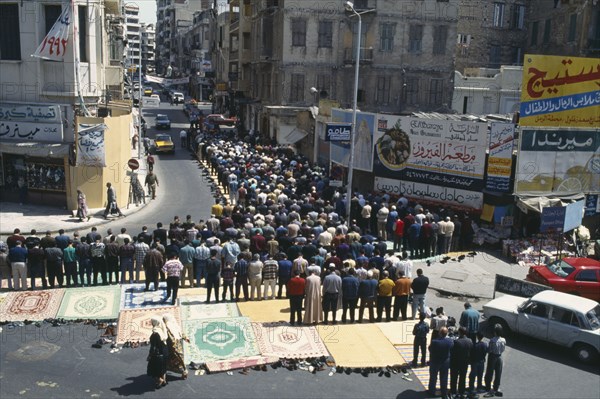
x: 139, y: 385
x: 412, y: 394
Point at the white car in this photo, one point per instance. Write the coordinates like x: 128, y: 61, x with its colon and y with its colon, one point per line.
x: 178, y: 98
x: 563, y: 319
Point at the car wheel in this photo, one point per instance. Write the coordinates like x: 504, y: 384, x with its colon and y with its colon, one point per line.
x: 585, y: 353
x: 497, y: 320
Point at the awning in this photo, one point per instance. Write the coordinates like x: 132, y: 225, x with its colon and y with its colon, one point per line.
x: 293, y: 137
x: 44, y: 150
x: 536, y: 204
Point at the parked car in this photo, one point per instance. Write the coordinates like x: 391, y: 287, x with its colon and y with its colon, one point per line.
x: 147, y: 91
x: 577, y: 276
x: 556, y: 317
x: 164, y: 144
x: 177, y: 98
x: 162, y: 121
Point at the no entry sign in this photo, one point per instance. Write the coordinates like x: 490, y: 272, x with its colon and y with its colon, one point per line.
x: 133, y: 164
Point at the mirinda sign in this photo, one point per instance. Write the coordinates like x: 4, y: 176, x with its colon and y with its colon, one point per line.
x: 560, y: 91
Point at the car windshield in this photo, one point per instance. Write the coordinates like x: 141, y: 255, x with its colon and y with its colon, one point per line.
x: 560, y: 268
x: 163, y: 137
x: 593, y: 317
x: 162, y: 118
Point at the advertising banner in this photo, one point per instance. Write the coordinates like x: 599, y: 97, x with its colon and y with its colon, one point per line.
x: 166, y: 81
x: 436, y: 155
x: 90, y: 145
x: 363, y: 140
x: 338, y: 131
x: 55, y: 44
x: 560, y: 91
x: 502, y: 137
x: 558, y: 161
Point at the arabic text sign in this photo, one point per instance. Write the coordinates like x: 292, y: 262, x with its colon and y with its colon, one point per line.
x: 90, y: 145
x: 553, y: 218
x: 54, y: 46
x: 500, y: 157
x: 30, y: 113
x: 432, y: 193
x: 592, y: 204
x: 560, y: 91
x: 34, y: 131
x: 338, y: 131
x: 558, y: 161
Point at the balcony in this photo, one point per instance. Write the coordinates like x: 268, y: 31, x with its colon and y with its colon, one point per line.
x: 366, y: 55
x: 234, y: 25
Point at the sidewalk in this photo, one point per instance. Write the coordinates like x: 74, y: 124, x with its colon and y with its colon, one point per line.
x: 46, y: 218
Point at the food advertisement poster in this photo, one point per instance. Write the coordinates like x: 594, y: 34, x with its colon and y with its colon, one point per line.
x: 430, y: 159
x: 558, y: 161
x: 560, y: 91
x: 363, y: 140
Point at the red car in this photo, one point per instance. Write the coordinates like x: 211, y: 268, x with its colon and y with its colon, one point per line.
x: 578, y: 276
x: 219, y: 119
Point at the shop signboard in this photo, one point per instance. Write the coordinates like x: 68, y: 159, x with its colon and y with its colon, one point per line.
x: 338, y: 131
x: 431, y: 156
x: 560, y: 91
x: 31, y: 122
x: 592, y: 204
x: 558, y: 161
x: 363, y: 140
x: 500, y: 157
x: 553, y: 218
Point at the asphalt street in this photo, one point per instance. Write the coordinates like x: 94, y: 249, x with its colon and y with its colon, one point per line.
x: 59, y: 362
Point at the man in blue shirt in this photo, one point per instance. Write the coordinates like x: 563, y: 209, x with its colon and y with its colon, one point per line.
x: 285, y: 273
x: 350, y: 286
x: 367, y: 292
x: 439, y: 362
x: 17, y: 256
x: 469, y: 319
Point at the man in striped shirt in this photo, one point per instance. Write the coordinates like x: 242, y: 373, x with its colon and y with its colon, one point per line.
x: 141, y: 249
x: 496, y: 348
x: 270, y: 271
x: 172, y: 269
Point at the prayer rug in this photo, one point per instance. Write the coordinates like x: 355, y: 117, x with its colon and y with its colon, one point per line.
x: 133, y: 296
x: 194, y: 308
x: 31, y: 305
x: 134, y: 325
x: 290, y: 342
x: 236, y: 364
x: 422, y: 373
x: 399, y: 332
x: 266, y: 311
x: 359, y: 345
x: 219, y: 339
x: 91, y: 303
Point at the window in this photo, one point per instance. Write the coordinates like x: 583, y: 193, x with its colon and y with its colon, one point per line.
x: 498, y: 15
x: 518, y: 19
x: 440, y: 37
x: 51, y: 14
x: 495, y: 55
x: 563, y: 316
x: 83, y: 28
x: 537, y: 309
x: 298, y: 32
x: 386, y: 36
x: 572, y: 28
x: 535, y: 26
x: 547, y: 31
x: 324, y: 83
x: 411, y: 91
x: 517, y: 55
x: 382, y: 95
x: 587, y: 275
x: 325, y: 34
x: 10, y: 32
x: 463, y: 39
x: 297, y: 88
x: 436, y: 91
x: 415, y: 38
x: 247, y: 45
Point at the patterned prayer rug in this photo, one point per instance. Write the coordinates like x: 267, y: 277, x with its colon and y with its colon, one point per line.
x: 285, y: 341
x: 91, y: 303
x: 422, y: 373
x: 236, y: 364
x: 194, y: 308
x: 134, y: 325
x: 31, y: 305
x: 133, y: 296
x: 219, y: 339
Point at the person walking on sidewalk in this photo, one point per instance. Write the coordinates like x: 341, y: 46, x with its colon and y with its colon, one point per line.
x: 111, y: 205
x: 152, y: 183
x: 82, y: 208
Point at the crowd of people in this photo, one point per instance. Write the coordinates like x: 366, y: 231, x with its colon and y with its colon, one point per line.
x: 276, y: 226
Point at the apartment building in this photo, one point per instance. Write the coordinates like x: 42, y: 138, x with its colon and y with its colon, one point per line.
x: 148, y: 47
x: 133, y: 27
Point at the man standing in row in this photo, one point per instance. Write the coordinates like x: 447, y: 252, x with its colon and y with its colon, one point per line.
x: 439, y: 362
x: 295, y: 290
x: 332, y: 285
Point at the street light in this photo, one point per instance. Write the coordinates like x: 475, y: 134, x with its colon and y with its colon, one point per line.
x: 349, y: 6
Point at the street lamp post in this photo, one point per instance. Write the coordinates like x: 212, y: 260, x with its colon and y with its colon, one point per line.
x: 349, y: 6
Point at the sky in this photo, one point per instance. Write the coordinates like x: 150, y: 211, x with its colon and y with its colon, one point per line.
x: 148, y: 9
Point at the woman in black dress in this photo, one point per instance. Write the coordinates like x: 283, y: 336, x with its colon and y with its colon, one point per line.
x: 159, y: 353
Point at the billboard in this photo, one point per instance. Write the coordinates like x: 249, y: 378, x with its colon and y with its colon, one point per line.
x: 363, y: 140
x: 558, y: 161
x: 439, y: 159
x: 502, y: 137
x: 560, y: 91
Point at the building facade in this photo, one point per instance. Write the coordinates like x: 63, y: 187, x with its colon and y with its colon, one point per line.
x: 148, y: 47
x: 42, y: 102
x: 133, y: 27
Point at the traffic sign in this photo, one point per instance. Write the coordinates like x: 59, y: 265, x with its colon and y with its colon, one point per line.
x: 133, y: 164
x: 338, y: 131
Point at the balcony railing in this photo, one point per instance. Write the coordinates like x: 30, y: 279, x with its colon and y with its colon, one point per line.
x: 366, y: 55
